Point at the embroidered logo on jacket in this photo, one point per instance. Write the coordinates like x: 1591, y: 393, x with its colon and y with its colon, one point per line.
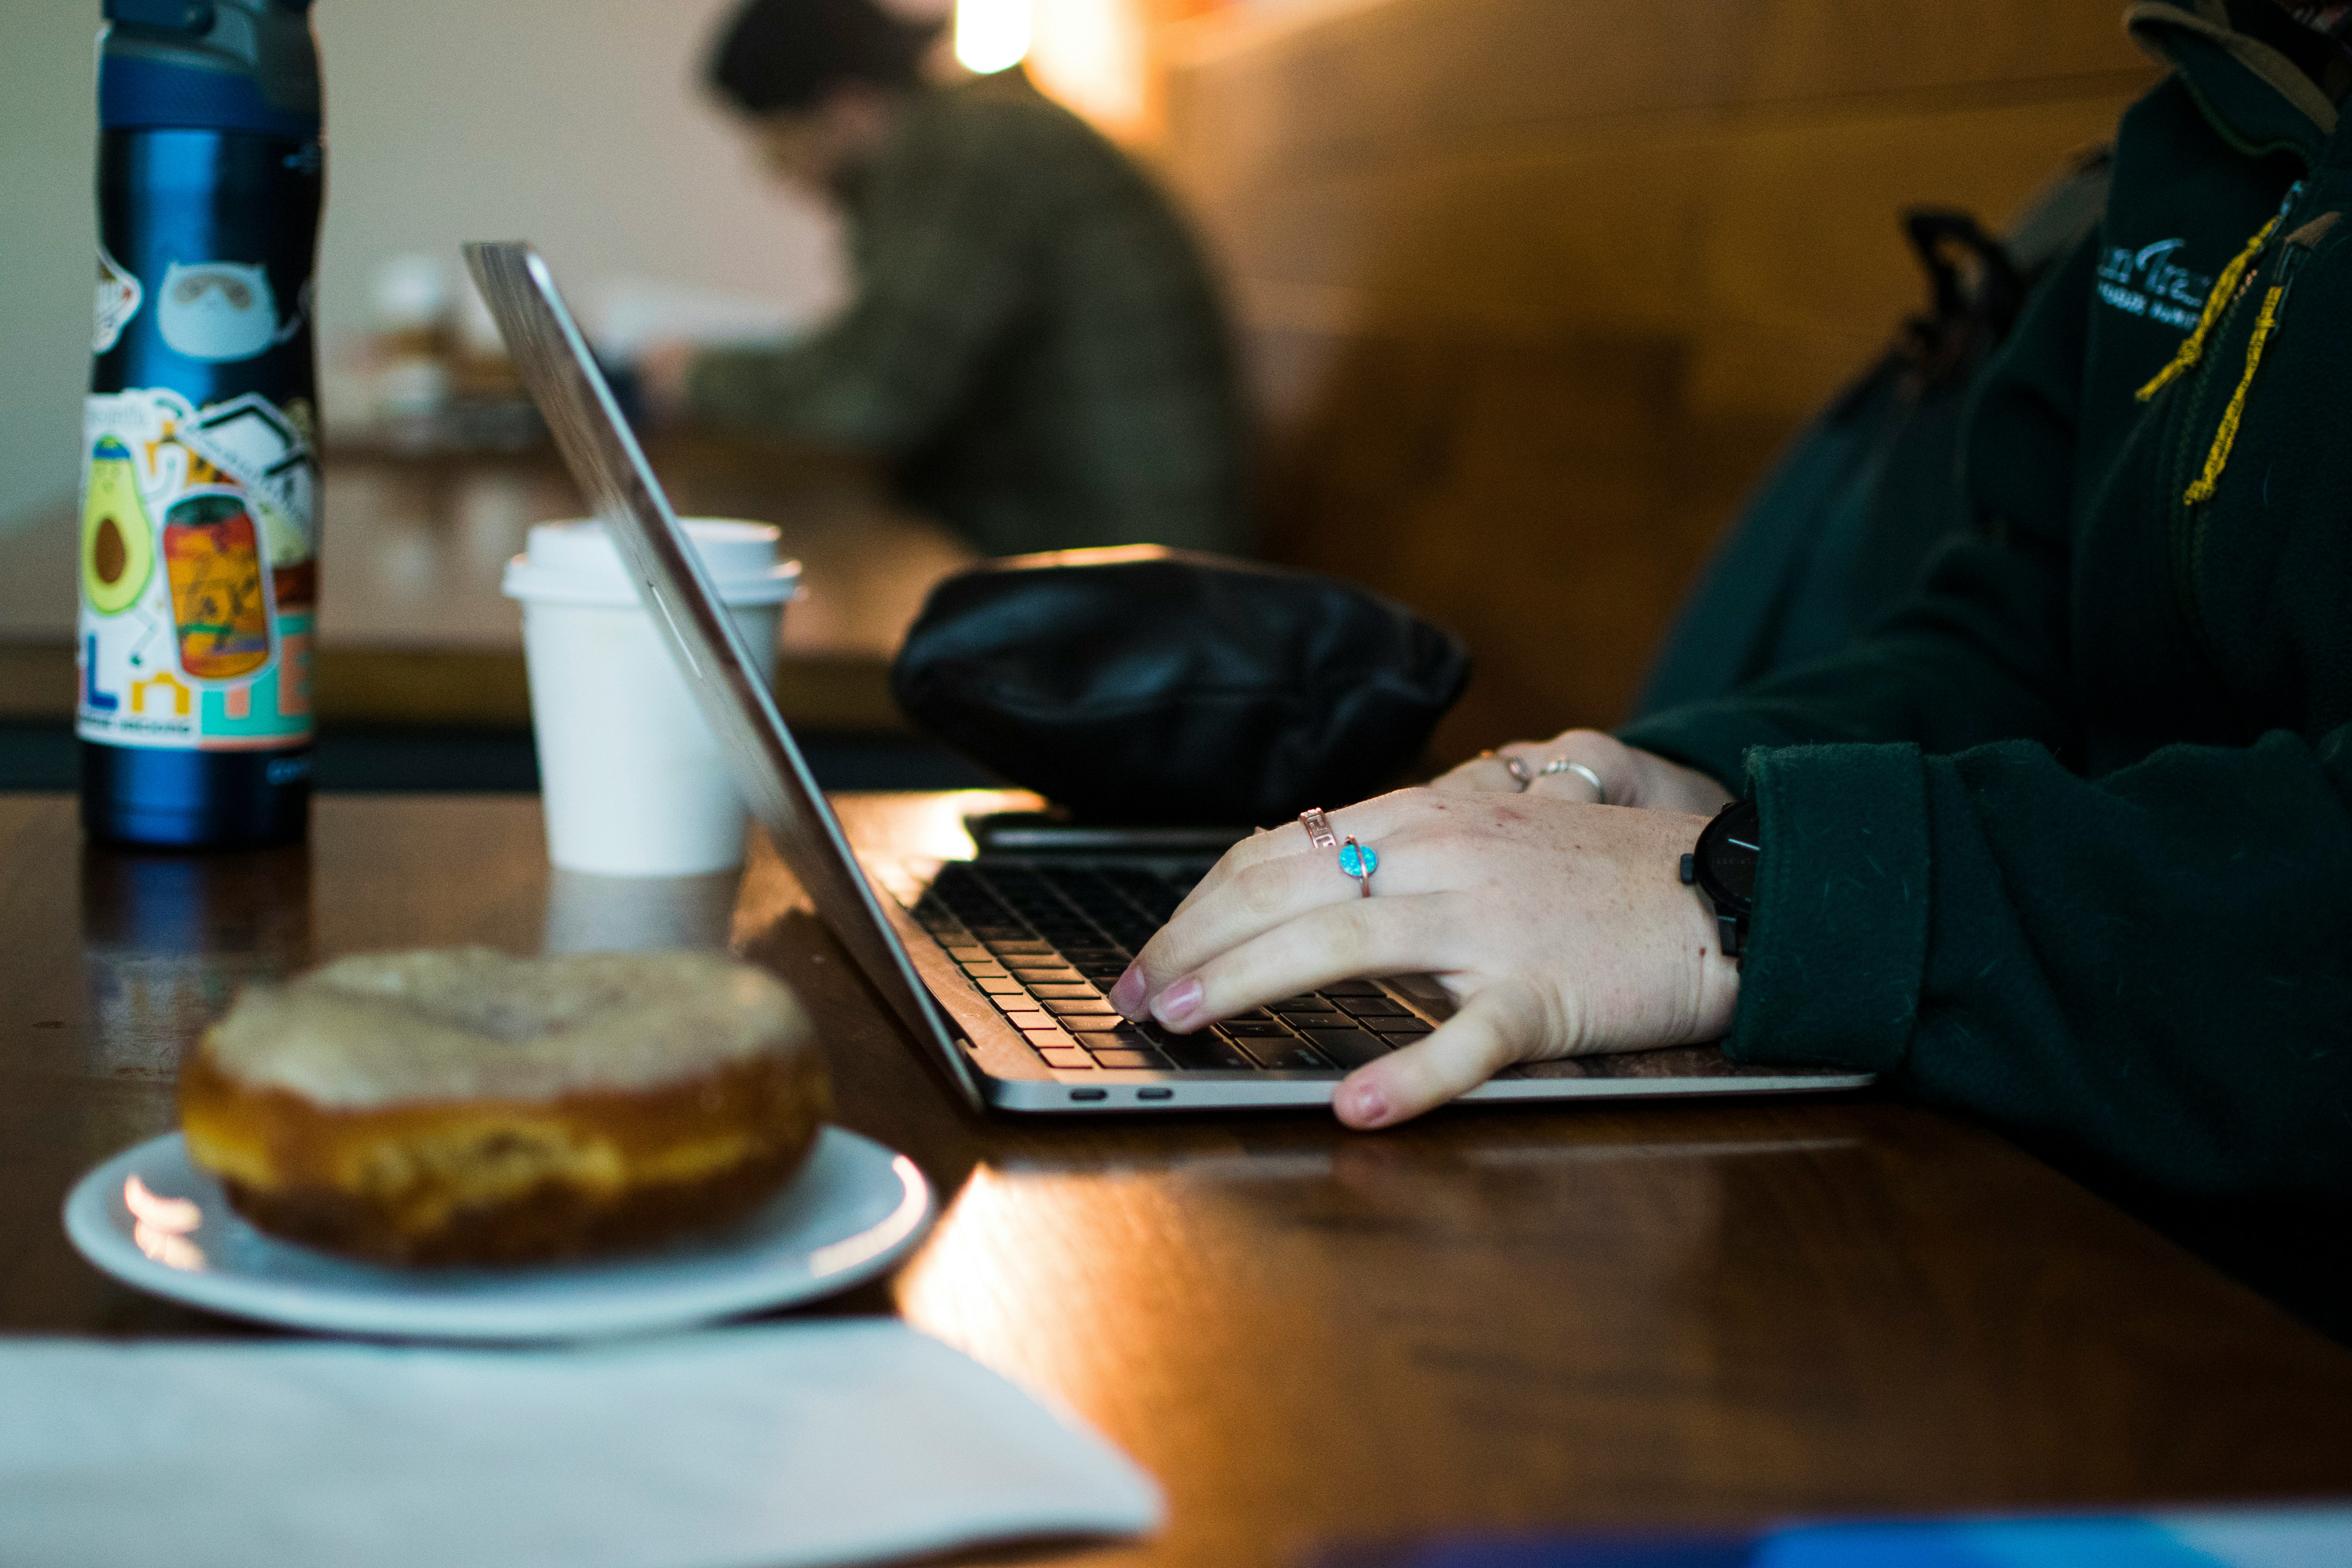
x: 2147, y: 282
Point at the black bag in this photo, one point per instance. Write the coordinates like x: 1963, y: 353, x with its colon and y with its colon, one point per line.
x: 1843, y: 527
x: 1153, y: 686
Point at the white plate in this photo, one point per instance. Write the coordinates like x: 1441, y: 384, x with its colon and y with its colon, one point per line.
x: 854, y: 1209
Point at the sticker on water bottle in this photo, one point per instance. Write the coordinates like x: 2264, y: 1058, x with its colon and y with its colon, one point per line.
x: 198, y: 573
x: 119, y: 294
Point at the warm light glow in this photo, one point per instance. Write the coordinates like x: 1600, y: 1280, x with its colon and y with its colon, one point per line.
x: 160, y: 1225
x: 177, y: 1215
x: 990, y: 35
x: 1089, y: 55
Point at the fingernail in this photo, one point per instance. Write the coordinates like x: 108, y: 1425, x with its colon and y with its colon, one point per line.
x: 1367, y: 1104
x: 1126, y: 996
x: 1176, y: 1006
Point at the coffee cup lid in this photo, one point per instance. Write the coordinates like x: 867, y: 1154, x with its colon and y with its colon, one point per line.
x: 578, y: 564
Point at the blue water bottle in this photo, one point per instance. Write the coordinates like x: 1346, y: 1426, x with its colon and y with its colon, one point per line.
x: 200, y: 481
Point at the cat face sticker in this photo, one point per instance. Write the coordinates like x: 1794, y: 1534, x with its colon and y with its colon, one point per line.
x: 220, y: 310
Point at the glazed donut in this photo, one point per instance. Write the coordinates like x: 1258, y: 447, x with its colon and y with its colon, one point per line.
x: 460, y: 1106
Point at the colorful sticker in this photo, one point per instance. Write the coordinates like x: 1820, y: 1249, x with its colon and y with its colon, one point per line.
x: 220, y: 608
x: 118, y: 542
x: 197, y: 573
x: 119, y: 296
x: 222, y: 312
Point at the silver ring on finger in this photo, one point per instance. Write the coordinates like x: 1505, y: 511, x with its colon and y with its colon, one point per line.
x: 1562, y: 765
x: 1515, y: 766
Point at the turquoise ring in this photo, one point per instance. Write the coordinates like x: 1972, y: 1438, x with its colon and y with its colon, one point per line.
x: 1360, y: 861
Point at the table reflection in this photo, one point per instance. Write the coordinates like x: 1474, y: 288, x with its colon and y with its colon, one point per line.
x: 168, y: 939
x: 589, y: 913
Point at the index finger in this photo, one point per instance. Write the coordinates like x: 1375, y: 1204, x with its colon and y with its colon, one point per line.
x: 1256, y: 887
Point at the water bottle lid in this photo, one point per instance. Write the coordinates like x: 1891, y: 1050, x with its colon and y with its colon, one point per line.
x: 216, y: 64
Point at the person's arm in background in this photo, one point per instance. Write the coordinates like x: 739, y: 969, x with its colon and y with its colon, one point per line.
x: 942, y: 274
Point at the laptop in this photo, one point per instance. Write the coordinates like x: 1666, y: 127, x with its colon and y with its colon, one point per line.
x: 996, y: 964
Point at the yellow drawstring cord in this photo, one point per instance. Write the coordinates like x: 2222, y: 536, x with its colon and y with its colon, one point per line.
x: 2223, y: 439
x: 2215, y: 303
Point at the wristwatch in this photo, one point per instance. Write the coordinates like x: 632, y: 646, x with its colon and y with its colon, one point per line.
x: 1723, y: 867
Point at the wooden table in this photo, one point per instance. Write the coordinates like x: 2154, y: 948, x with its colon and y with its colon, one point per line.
x: 413, y: 629
x: 1677, y: 1314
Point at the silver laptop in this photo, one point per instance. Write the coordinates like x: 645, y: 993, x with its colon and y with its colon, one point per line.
x: 997, y: 964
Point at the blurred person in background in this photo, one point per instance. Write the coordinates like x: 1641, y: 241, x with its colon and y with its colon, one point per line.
x: 1035, y: 349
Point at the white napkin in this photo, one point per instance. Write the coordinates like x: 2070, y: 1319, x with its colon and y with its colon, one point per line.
x: 752, y: 1448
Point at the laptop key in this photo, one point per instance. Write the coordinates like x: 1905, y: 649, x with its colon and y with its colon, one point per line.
x: 1079, y: 991
x: 1035, y: 975
x: 971, y: 953
x: 1133, y: 1059
x: 1352, y: 988
x: 1303, y: 1004
x: 1008, y: 986
x: 1068, y: 1058
x: 1282, y: 1055
x: 1240, y: 1030
x: 1071, y: 1006
x: 1348, y: 1048
x: 1093, y: 1023
x: 1399, y: 1027
x: 1205, y: 1052
x: 1370, y: 1007
x: 1312, y: 1020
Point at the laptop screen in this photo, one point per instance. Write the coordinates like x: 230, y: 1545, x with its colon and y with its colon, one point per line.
x: 610, y: 468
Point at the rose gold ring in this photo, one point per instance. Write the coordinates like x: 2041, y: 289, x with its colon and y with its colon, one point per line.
x: 1318, y: 829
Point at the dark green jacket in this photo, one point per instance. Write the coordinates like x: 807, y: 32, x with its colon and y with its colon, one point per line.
x: 1035, y: 346
x: 2066, y: 842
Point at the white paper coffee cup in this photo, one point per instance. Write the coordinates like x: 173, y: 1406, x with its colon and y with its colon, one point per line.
x: 632, y: 780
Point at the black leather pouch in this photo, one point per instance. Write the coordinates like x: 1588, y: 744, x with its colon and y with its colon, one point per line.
x: 1145, y: 685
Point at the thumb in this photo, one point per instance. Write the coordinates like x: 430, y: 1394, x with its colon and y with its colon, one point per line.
x: 1498, y: 1026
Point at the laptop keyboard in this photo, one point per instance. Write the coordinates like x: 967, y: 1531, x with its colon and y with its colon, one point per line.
x: 1045, y: 942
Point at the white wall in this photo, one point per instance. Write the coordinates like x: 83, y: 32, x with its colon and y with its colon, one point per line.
x: 578, y: 124
x: 47, y: 248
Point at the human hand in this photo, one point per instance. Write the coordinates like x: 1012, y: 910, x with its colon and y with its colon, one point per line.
x: 1558, y: 928
x: 1628, y: 777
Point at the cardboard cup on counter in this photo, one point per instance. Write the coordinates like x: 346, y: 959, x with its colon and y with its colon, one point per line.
x: 633, y: 781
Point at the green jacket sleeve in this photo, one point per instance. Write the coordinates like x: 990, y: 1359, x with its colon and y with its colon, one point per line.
x: 942, y: 275
x: 1980, y: 653
x: 2143, y: 975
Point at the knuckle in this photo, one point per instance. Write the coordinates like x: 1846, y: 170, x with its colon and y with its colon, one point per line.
x: 1263, y: 890
x: 1417, y: 799
x: 1349, y: 928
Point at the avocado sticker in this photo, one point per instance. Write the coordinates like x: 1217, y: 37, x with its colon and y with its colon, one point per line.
x: 118, y: 542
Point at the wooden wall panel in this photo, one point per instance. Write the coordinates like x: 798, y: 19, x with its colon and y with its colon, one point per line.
x: 1532, y: 290
x: 1803, y: 269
